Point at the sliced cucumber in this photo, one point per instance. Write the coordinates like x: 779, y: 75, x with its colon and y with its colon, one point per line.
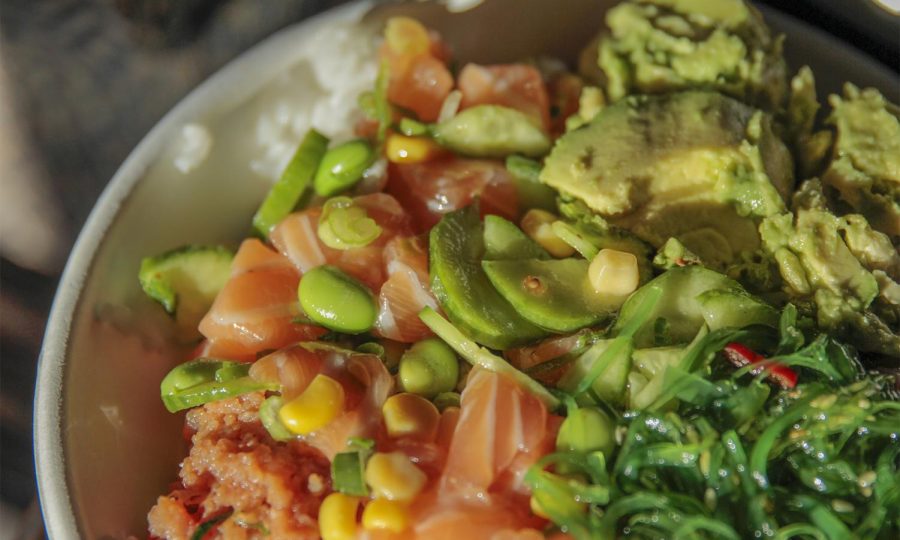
x: 492, y: 131
x: 612, y: 381
x: 503, y: 241
x: 185, y: 281
x: 463, y: 289
x: 553, y: 294
x: 735, y: 308
x: 677, y: 304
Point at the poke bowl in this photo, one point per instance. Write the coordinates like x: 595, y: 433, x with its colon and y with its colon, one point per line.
x: 106, y: 447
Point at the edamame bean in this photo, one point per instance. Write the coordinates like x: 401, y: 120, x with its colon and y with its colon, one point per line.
x: 336, y: 301
x: 342, y: 166
x: 429, y: 368
x: 445, y: 400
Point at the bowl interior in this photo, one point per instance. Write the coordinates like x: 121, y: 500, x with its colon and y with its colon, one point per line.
x: 105, y: 446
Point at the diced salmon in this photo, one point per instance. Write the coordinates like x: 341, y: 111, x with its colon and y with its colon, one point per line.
x: 297, y: 238
x: 293, y: 367
x: 502, y: 431
x: 529, y: 358
x: 406, y: 291
x: 367, y: 384
x: 438, y: 516
x: 565, y: 92
x: 255, y: 255
x: 419, y: 78
x: 518, y: 86
x: 431, y: 189
x: 255, y: 310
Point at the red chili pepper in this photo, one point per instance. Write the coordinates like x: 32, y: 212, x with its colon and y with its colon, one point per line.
x: 740, y: 356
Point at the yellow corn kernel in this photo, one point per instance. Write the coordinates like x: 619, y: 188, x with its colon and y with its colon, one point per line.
x: 394, y: 477
x: 406, y: 36
x: 538, y: 224
x: 614, y: 273
x: 337, y: 517
x: 385, y: 515
x: 411, y: 415
x: 403, y: 149
x: 319, y: 404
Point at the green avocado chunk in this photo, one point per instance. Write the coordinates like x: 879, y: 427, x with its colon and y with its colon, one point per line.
x: 456, y: 248
x: 691, y: 297
x: 847, y: 271
x: 865, y: 168
x: 661, y: 46
x: 186, y: 281
x: 504, y: 241
x: 698, y: 166
x: 492, y: 131
x: 553, y: 294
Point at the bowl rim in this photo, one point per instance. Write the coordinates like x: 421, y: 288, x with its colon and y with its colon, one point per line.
x: 238, y: 79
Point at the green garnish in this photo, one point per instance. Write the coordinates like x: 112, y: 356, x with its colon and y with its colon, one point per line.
x: 297, y: 177
x: 344, y: 225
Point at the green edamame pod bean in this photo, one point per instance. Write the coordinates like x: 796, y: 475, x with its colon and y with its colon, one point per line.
x: 587, y: 430
x: 336, y: 301
x: 342, y: 166
x: 445, y: 400
x: 429, y: 368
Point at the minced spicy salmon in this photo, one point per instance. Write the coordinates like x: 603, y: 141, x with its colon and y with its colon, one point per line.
x: 273, y: 489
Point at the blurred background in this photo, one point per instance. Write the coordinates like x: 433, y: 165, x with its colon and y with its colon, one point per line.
x: 81, y: 81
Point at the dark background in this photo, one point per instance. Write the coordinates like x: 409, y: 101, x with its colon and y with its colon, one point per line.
x: 81, y: 81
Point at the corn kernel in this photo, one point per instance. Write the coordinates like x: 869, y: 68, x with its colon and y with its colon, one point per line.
x: 337, y: 517
x: 614, y: 273
x: 410, y: 415
x: 394, y: 477
x: 538, y: 224
x: 319, y: 404
x: 407, y: 36
x: 403, y: 149
x: 382, y: 514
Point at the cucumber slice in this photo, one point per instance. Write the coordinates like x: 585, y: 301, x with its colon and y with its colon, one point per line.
x: 503, y: 241
x: 526, y: 173
x: 294, y: 182
x: 677, y: 304
x: 735, y: 308
x: 492, y: 131
x: 612, y: 381
x: 185, y: 281
x: 653, y: 361
x: 456, y: 246
x: 553, y: 294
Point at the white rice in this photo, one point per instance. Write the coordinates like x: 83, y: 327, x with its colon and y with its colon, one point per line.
x: 320, y: 91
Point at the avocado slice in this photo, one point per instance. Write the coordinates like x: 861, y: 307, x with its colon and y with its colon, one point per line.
x: 662, y: 46
x: 553, y: 294
x: 695, y: 165
x: 692, y: 296
x: 504, y: 241
x: 185, y: 281
x: 456, y: 248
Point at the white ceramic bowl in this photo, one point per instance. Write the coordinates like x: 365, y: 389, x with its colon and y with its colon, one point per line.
x: 104, y: 445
